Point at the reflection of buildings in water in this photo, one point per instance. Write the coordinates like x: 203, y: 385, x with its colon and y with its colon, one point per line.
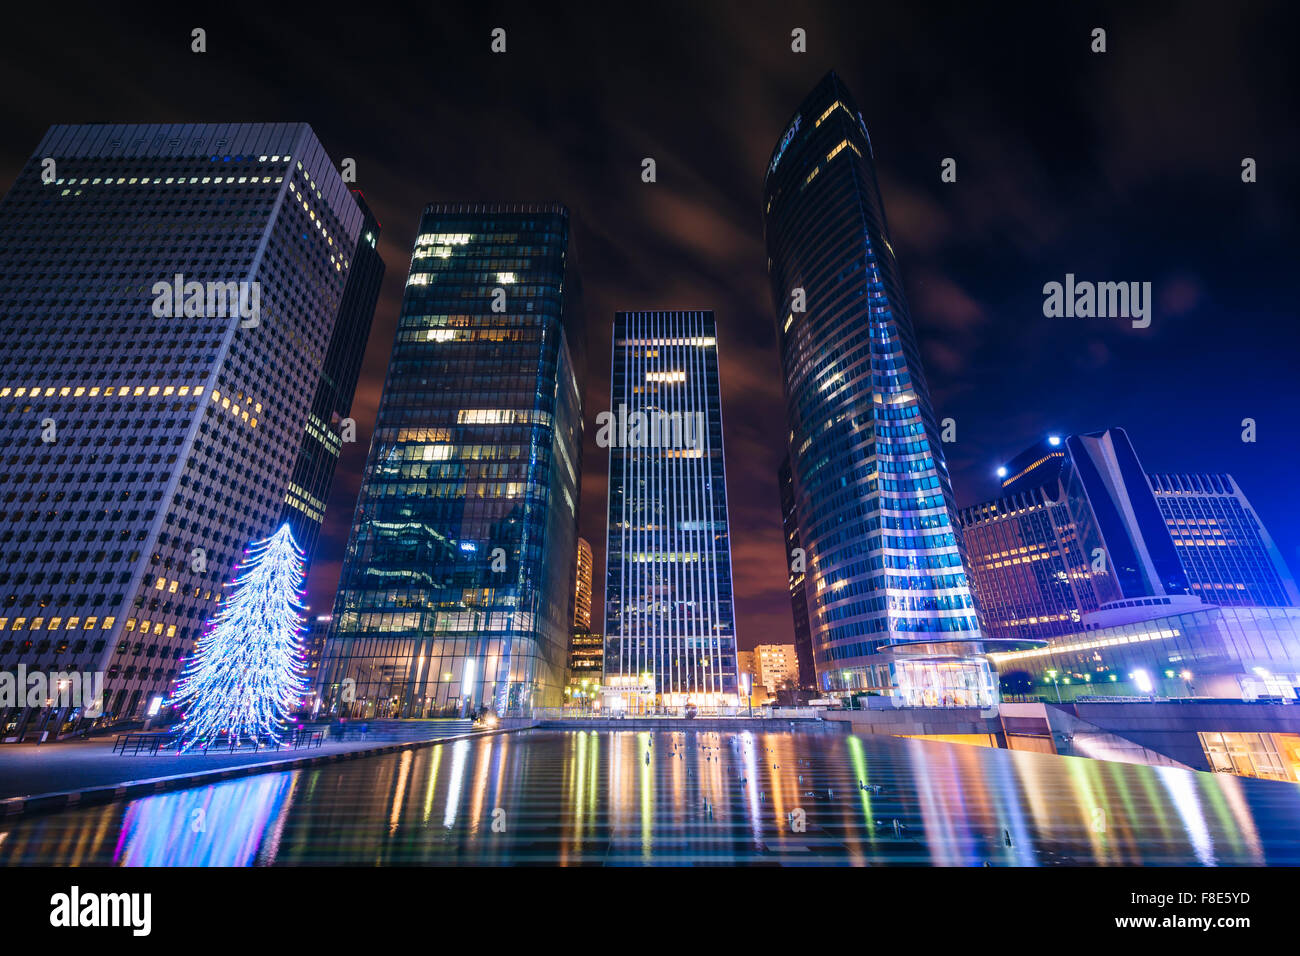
x: 687, y: 796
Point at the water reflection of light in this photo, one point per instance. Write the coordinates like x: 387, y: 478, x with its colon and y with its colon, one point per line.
x: 487, y: 746
x: 1230, y: 788
x: 956, y: 801
x: 435, y: 760
x: 1004, y: 793
x: 862, y: 778
x: 749, y: 760
x: 935, y: 787
x: 1091, y: 804
x: 399, y: 793
x: 1181, y: 785
x: 459, y: 751
x: 647, y: 796
x: 221, y: 825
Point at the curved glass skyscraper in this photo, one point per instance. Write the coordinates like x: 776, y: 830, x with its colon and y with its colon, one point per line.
x: 890, y: 607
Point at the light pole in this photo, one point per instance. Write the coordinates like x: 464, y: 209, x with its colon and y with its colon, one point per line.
x: 1052, y: 675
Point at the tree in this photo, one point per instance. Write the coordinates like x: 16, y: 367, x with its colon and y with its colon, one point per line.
x: 249, y: 671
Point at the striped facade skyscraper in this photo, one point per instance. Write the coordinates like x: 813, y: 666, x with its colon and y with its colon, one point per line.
x: 171, y: 299
x: 457, y: 588
x: 891, y: 608
x: 669, y: 615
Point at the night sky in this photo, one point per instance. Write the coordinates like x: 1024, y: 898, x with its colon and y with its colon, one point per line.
x: 1123, y: 166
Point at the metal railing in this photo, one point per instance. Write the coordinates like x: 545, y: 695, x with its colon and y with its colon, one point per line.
x: 153, y: 743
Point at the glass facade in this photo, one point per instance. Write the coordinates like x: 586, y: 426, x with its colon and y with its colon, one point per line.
x: 669, y: 616
x: 177, y: 419
x: 1122, y: 535
x: 871, y: 489
x: 1027, y: 566
x: 457, y: 589
x: 1226, y: 551
x: 1229, y: 652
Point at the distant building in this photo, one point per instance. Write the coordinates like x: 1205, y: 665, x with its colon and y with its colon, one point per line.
x: 1225, y: 550
x: 747, y: 669
x: 776, y: 664
x: 582, y: 588
x: 586, y: 666
x: 314, y: 650
x: 1026, y: 565
x: 797, y: 578
x: 1035, y: 467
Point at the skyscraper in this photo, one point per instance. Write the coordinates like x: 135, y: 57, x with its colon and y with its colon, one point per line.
x: 669, y: 618
x: 457, y: 586
x: 1225, y: 550
x: 891, y: 609
x: 169, y: 299
x: 1026, y: 565
x: 1121, y: 533
x: 1102, y: 534
x: 582, y: 588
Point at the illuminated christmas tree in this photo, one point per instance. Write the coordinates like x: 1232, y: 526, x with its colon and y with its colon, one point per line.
x: 249, y: 671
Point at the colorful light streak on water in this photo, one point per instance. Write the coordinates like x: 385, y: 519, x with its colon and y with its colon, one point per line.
x: 684, y: 798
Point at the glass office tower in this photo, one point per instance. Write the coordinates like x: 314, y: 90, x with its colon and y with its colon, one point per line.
x: 891, y: 609
x: 169, y: 295
x: 457, y: 587
x: 1223, y: 546
x: 670, y: 628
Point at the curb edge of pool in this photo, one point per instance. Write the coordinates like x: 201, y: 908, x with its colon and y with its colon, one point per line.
x: 33, y: 804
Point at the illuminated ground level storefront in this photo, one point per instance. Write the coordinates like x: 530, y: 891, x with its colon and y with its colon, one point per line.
x: 924, y: 673
x: 636, y: 695
x: 1268, y: 755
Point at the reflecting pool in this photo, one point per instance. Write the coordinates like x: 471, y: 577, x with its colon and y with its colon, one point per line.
x: 689, y: 798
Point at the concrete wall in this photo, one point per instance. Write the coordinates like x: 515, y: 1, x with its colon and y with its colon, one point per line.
x: 1171, y: 728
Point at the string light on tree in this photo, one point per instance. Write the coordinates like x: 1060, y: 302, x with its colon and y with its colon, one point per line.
x: 249, y: 670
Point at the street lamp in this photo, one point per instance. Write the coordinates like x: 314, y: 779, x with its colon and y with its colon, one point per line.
x: 1186, y: 675
x: 1052, y: 675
